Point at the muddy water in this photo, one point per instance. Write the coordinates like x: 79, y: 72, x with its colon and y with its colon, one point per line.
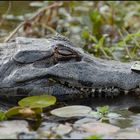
x: 127, y: 106
x: 15, y: 12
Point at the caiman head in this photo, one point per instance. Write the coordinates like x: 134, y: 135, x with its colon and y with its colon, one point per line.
x: 55, y: 66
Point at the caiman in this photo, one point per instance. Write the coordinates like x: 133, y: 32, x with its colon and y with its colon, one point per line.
x: 55, y: 66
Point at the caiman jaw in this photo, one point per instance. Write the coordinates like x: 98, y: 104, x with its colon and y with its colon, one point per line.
x: 30, y: 63
x: 101, y: 92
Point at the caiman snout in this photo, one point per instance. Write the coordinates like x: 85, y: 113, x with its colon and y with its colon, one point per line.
x: 31, y: 63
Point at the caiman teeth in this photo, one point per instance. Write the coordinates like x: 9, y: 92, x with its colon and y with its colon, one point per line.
x: 126, y: 92
x: 93, y: 90
x: 137, y: 91
x: 100, y: 91
x: 82, y: 89
x: 116, y: 91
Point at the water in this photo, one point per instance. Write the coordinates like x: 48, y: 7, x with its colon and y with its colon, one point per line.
x: 125, y: 105
x: 17, y: 10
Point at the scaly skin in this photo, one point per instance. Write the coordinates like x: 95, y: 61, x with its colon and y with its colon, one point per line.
x: 55, y: 66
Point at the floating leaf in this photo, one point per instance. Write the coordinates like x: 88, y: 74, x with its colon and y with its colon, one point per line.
x: 30, y: 112
x: 100, y: 128
x: 2, y: 116
x: 62, y: 129
x: 26, y: 111
x: 37, y: 101
x: 95, y: 114
x: 71, y: 111
x: 136, y: 66
x: 13, y: 111
x: 37, y: 110
x: 113, y: 115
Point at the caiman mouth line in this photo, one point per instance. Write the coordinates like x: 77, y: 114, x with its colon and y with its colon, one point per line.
x: 101, y: 92
x: 86, y: 91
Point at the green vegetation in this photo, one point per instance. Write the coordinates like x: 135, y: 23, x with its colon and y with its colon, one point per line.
x: 2, y: 116
x: 104, y: 114
x: 37, y: 101
x: 29, y: 107
x: 96, y: 137
x: 32, y: 107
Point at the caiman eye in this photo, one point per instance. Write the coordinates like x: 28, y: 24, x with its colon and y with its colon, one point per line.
x: 26, y: 57
x: 64, y: 53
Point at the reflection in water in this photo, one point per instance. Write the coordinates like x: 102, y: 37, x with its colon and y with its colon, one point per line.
x: 119, y: 102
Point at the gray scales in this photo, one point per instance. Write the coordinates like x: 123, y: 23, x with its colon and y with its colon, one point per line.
x: 30, y: 66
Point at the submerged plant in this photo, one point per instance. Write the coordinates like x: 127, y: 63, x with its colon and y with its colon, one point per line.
x: 104, y: 114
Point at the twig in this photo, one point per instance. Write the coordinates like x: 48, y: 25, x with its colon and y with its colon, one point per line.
x: 14, y: 32
x: 56, y: 4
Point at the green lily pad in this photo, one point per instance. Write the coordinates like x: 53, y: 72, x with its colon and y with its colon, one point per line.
x: 37, y: 110
x: 23, y: 111
x: 2, y: 116
x: 37, y: 101
x: 136, y: 66
x: 13, y: 111
x: 93, y: 137
x: 71, y: 111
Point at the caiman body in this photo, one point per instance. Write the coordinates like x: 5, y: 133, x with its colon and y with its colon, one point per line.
x: 55, y: 66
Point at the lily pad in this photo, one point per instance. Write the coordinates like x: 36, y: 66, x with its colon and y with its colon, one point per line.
x: 30, y: 112
x: 95, y: 114
x: 100, y: 128
x: 136, y: 66
x: 71, y: 111
x: 113, y: 115
x: 37, y: 101
x: 26, y: 111
x: 13, y: 111
x: 23, y: 111
x: 62, y: 129
x: 2, y: 116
